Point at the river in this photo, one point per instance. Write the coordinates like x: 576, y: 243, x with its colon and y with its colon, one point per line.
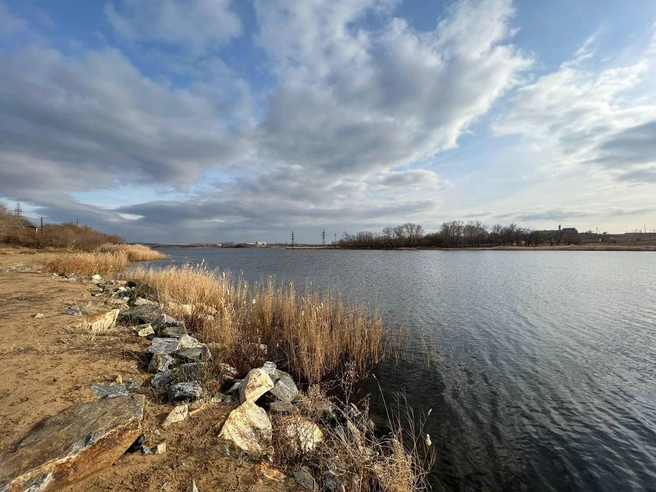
x: 544, y: 362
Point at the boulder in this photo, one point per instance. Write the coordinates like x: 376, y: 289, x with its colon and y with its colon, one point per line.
x: 160, y: 448
x: 140, y: 315
x: 270, y: 368
x: 190, y: 372
x: 172, y: 331
x: 249, y: 429
x: 161, y: 379
x: 72, y: 444
x: 163, y: 346
x: 109, y: 390
x: 227, y: 372
x: 285, y: 389
x: 255, y: 384
x: 98, y: 323
x: 185, y: 391
x: 160, y: 362
x: 166, y: 320
x: 97, y: 279
x: 192, y: 350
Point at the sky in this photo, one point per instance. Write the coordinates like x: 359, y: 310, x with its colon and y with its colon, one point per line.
x: 241, y: 120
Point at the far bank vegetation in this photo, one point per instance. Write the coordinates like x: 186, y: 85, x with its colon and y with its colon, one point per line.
x: 458, y: 234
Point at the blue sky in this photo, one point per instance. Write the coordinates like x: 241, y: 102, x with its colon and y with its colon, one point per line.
x: 216, y: 120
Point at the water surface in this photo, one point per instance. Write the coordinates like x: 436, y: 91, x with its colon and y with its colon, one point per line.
x: 546, y: 374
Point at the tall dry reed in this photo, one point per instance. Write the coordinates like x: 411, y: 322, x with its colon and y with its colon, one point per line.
x: 134, y: 252
x: 311, y: 335
x: 104, y: 264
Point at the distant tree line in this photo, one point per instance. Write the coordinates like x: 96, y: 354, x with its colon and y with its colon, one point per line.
x: 458, y: 234
x: 18, y: 230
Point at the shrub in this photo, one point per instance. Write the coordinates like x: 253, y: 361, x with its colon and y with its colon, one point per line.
x: 134, y: 252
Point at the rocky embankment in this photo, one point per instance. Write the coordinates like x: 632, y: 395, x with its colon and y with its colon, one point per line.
x: 268, y: 419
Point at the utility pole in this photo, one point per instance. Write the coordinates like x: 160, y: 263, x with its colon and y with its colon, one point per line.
x: 18, y: 210
x: 323, y: 237
x: 335, y: 238
x: 292, y: 239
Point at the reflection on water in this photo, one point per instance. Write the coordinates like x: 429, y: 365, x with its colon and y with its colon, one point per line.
x: 545, y: 376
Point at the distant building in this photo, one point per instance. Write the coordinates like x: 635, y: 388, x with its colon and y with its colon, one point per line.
x: 567, y: 235
x: 261, y: 244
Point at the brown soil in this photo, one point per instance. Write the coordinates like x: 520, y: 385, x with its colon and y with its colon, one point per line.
x: 48, y: 365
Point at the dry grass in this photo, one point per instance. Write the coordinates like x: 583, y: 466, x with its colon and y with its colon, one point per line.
x: 104, y: 264
x: 134, y: 252
x: 311, y: 335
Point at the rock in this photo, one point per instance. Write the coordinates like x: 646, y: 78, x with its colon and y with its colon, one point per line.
x: 140, y: 301
x: 109, y: 390
x: 191, y: 349
x: 235, y: 386
x: 144, y: 330
x: 285, y: 389
x: 145, y: 450
x: 193, y: 354
x: 140, y: 315
x: 190, y: 372
x: 281, y: 407
x: 97, y: 279
x: 167, y: 320
x: 185, y: 391
x: 72, y: 444
x: 163, y: 346
x: 267, y: 471
x: 39, y: 315
x: 255, y: 384
x: 178, y: 414
x: 192, y: 487
x: 248, y: 428
x: 133, y: 384
x: 73, y: 312
x: 302, y: 434
x: 173, y: 331
x: 160, y: 362
x: 101, y: 322
x: 161, y: 379
x: 160, y: 448
x: 270, y: 368
x: 227, y: 372
x: 304, y: 478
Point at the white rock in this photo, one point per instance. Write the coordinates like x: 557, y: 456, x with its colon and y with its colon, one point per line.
x: 255, y: 384
x: 303, y: 435
x: 178, y: 414
x: 248, y: 428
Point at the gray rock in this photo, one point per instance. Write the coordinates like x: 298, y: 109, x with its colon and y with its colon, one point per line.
x: 133, y: 384
x: 172, y: 331
x: 167, y: 320
x: 146, y: 450
x: 193, y: 354
x: 285, y: 389
x: 160, y: 362
x: 73, y: 444
x: 163, y: 346
x: 178, y: 414
x: 281, y: 407
x: 185, y: 391
x: 140, y: 315
x: 304, y: 478
x: 96, y: 279
x: 270, y: 368
x: 73, y: 312
x: 192, y: 487
x: 109, y: 390
x: 161, y: 379
x: 190, y: 372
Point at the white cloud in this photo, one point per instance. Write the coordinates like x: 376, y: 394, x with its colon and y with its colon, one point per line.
x: 591, y: 118
x: 194, y: 23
